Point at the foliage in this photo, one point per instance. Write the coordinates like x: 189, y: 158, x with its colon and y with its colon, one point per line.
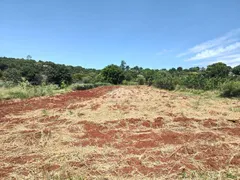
x: 218, y: 70
x: 77, y: 77
x: 123, y: 65
x: 195, y: 81
x: 141, y: 79
x: 231, y: 89
x: 31, y: 73
x: 125, y: 82
x: 164, y: 80
x: 77, y: 86
x: 179, y: 69
x: 12, y: 75
x: 82, y: 86
x: 24, y: 90
x: 38, y: 72
x: 113, y: 74
x: 57, y: 74
x: 236, y: 70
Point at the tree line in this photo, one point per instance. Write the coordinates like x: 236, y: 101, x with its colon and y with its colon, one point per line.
x: 215, y: 76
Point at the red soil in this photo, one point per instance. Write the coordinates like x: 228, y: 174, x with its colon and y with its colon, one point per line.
x: 146, y: 147
x: 58, y: 101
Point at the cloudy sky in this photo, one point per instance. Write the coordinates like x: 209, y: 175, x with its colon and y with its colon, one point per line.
x: 147, y: 33
x: 225, y: 49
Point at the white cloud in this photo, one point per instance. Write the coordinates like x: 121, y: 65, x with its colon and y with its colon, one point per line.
x: 231, y: 60
x: 225, y: 49
x: 209, y: 53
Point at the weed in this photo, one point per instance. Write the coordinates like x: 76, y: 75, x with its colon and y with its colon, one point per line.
x: 80, y: 114
x: 235, y: 109
x: 231, y: 176
x: 196, y: 104
x: 70, y: 112
x: 231, y: 89
x: 45, y: 112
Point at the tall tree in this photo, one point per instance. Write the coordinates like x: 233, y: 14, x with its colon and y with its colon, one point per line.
x: 123, y: 65
x: 218, y: 70
x: 113, y: 74
x: 236, y: 70
x: 29, y: 57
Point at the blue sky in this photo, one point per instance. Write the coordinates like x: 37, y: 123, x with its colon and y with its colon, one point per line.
x: 147, y: 33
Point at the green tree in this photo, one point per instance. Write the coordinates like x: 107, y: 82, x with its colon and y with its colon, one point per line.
x: 56, y: 74
x: 1, y: 74
x: 123, y: 65
x: 194, y: 69
x: 164, y: 80
x: 218, y: 70
x: 236, y: 70
x: 12, y: 74
x: 29, y: 57
x: 29, y: 71
x: 113, y: 74
x: 3, y: 66
x: 77, y: 77
x: 172, y: 70
x: 141, y: 79
x: 179, y: 69
x: 98, y: 78
x: 148, y: 73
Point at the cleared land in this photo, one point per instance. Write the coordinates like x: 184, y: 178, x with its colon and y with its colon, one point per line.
x: 114, y: 132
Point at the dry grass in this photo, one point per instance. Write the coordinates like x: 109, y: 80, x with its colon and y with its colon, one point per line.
x: 172, y: 136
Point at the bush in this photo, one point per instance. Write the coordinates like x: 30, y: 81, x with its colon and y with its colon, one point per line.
x: 141, y: 79
x: 164, y: 80
x: 76, y: 87
x: 129, y: 83
x: 236, y: 70
x: 231, y: 89
x: 13, y: 75
x: 193, y: 81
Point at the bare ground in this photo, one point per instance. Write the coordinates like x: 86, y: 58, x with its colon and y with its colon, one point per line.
x: 120, y: 133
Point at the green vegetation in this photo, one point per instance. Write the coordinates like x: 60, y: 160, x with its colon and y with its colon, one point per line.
x: 47, y: 78
x: 231, y: 89
x: 26, y: 90
x: 87, y: 86
x: 113, y: 74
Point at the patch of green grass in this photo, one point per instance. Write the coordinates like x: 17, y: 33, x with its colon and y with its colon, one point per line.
x: 231, y: 176
x: 70, y: 112
x: 23, y: 92
x: 209, y: 175
x: 235, y: 109
x: 202, y: 93
x: 45, y: 112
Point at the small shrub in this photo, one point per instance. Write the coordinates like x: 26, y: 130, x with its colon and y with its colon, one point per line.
x: 101, y: 84
x: 231, y: 89
x: 128, y: 83
x: 63, y: 85
x: 18, y: 94
x: 82, y: 86
x: 76, y: 87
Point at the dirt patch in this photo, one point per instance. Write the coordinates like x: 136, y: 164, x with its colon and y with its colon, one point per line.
x: 11, y: 106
